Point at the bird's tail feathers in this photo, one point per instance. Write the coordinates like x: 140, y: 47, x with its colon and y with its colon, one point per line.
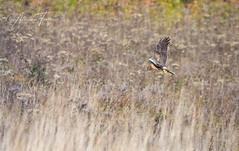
x: 167, y: 71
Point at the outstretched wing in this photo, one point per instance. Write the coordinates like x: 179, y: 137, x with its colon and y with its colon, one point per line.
x: 161, y: 50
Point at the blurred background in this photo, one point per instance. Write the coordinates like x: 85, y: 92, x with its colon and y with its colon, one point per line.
x: 73, y: 75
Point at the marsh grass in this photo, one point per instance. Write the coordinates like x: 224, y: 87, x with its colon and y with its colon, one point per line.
x: 82, y: 84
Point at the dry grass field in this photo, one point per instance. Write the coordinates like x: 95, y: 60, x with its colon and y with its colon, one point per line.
x: 79, y: 82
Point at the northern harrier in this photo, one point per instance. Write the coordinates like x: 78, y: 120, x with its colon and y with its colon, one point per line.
x: 160, y: 53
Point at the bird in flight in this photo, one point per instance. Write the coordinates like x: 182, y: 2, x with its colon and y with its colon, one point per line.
x: 160, y: 53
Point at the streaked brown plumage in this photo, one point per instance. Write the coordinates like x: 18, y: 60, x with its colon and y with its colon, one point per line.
x: 160, y: 53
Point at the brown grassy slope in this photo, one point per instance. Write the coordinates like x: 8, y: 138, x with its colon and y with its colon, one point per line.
x: 82, y: 84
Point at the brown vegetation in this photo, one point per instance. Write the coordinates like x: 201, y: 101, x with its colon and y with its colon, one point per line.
x: 81, y: 83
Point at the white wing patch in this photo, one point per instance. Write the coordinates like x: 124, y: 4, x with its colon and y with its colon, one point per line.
x: 153, y: 61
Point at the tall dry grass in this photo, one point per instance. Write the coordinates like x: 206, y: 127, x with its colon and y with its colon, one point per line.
x: 82, y: 84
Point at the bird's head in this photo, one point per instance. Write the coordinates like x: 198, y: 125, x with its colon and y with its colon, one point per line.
x: 148, y: 68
